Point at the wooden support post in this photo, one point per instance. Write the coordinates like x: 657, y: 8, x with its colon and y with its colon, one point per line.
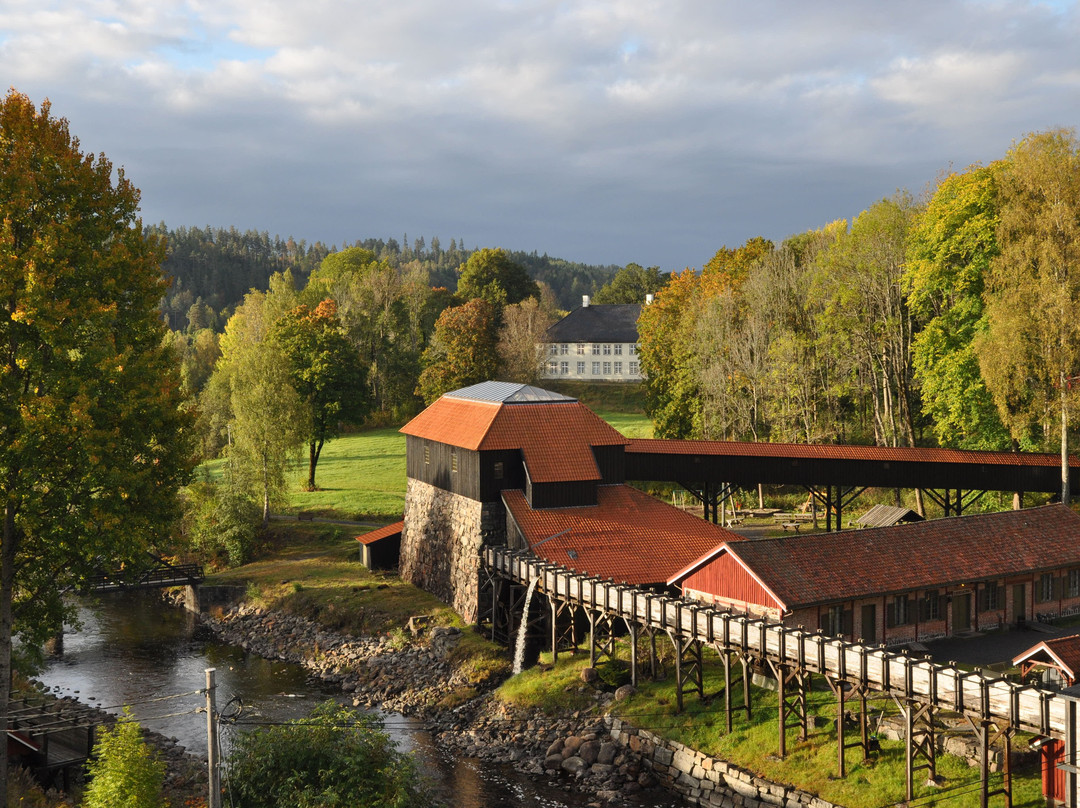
x: 746, y: 685
x: 909, y: 750
x: 841, y: 765
x: 726, y: 655
x: 782, y: 704
x: 554, y: 631
x: 984, y: 764
x: 632, y: 627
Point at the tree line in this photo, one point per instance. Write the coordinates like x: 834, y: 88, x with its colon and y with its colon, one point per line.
x: 949, y: 321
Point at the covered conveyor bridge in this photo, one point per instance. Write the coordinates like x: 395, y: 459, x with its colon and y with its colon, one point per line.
x: 835, y: 475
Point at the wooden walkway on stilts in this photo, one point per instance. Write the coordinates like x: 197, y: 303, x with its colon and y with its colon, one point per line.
x: 996, y: 708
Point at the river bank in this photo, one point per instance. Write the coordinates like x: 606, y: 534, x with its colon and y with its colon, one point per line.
x: 414, y: 677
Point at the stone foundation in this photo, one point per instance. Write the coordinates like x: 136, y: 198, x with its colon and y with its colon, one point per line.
x: 704, y: 780
x: 441, y: 543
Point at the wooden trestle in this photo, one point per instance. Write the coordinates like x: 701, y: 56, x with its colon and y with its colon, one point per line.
x: 995, y: 708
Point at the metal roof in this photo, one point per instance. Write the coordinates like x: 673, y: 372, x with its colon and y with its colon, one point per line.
x: 507, y: 393
x: 886, y: 515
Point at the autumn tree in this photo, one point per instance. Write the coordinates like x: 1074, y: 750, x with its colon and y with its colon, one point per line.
x: 950, y: 247
x: 1031, y: 349
x: 521, y: 340
x: 463, y: 350
x: 93, y: 445
x: 326, y: 374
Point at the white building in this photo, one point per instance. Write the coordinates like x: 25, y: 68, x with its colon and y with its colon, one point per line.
x: 596, y: 343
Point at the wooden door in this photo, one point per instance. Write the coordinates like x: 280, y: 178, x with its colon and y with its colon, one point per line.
x: 961, y: 612
x: 1019, y: 603
x: 869, y: 623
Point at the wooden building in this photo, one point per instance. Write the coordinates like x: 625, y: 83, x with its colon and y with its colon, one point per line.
x: 380, y: 549
x: 906, y: 583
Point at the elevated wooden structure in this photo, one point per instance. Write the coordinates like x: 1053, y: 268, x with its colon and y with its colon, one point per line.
x: 159, y: 576
x: 48, y: 739
x: 835, y: 475
x: 995, y: 708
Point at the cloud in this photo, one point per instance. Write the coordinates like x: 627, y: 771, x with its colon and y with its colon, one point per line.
x: 601, y: 131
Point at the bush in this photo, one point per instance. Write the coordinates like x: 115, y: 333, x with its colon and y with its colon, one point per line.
x: 125, y: 772
x: 221, y: 521
x: 337, y: 757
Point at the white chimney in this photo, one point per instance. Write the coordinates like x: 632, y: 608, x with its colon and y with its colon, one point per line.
x: 648, y: 300
x: 584, y: 301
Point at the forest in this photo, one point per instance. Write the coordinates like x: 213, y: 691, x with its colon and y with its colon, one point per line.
x: 944, y: 321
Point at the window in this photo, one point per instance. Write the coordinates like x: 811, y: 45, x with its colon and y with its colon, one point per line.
x: 834, y: 620
x: 607, y: 368
x: 633, y: 349
x: 1074, y: 583
x: 634, y: 369
x: 595, y: 368
x: 930, y: 605
x: 903, y: 610
x: 596, y: 350
x: 427, y: 455
x: 581, y: 349
x: 991, y: 597
x: 1045, y: 588
x: 552, y: 368
x: 554, y: 349
x: 581, y: 368
x: 618, y: 368
x: 564, y: 349
x: 618, y: 349
x: 453, y: 460
x: 607, y: 350
x: 564, y: 368
x: 499, y: 470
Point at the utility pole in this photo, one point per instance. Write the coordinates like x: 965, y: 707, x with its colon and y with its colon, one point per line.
x: 212, y: 763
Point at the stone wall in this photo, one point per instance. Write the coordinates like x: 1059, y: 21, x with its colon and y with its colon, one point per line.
x: 441, y: 542
x: 703, y: 780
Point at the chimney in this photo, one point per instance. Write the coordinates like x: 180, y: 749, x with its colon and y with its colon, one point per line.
x: 584, y: 301
x: 648, y: 300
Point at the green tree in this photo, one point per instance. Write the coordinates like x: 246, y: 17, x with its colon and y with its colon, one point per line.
x: 124, y: 771
x: 265, y: 416
x: 93, y: 444
x: 336, y: 757
x: 1031, y: 348
x: 491, y: 274
x: 951, y: 245
x: 631, y: 284
x: 463, y: 350
x: 326, y: 373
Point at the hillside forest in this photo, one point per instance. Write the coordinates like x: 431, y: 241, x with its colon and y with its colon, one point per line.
x: 943, y: 320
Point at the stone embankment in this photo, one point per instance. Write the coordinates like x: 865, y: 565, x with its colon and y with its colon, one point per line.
x: 584, y: 751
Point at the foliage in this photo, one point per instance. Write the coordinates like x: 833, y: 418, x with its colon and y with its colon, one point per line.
x: 463, y: 350
x: 93, y: 444
x: 326, y: 373
x: 521, y: 349
x: 631, y: 284
x: 950, y: 248
x: 337, y: 757
x: 490, y: 274
x: 124, y: 772
x: 221, y: 519
x: 1031, y: 345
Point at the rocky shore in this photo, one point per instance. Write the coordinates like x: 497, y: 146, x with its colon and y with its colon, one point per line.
x: 415, y: 679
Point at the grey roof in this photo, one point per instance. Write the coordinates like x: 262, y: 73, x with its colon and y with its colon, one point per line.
x: 613, y: 322
x: 508, y: 393
x: 886, y: 516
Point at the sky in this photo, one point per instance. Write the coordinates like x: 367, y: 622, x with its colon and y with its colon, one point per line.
x: 603, y: 132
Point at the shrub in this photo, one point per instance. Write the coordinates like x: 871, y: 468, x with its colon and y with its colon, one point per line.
x: 125, y: 772
x: 337, y: 757
x: 220, y: 520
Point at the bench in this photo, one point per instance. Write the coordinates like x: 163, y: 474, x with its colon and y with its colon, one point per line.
x: 305, y: 516
x: 791, y: 526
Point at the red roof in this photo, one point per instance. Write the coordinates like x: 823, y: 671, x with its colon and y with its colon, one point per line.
x: 382, y: 533
x: 845, y: 452
x: 555, y: 437
x: 1061, y: 651
x: 826, y: 568
x: 627, y: 536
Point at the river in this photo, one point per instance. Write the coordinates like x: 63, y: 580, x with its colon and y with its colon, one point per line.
x: 133, y: 649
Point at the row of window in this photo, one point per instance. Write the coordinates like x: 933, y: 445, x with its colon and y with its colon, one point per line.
x: 598, y: 368
x: 598, y: 349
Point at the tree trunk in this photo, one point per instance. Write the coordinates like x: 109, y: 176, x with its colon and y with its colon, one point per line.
x: 1064, y: 441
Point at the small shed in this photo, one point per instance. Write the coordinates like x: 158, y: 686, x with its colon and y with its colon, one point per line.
x: 381, y: 548
x: 886, y: 516
x: 1057, y: 661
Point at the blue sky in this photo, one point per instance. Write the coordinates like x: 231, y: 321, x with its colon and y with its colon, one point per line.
x: 604, y: 132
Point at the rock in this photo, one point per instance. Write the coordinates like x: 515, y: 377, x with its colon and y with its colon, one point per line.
x: 555, y: 748
x: 607, y: 753
x: 571, y: 745
x: 624, y: 692
x: 553, y: 762
x: 589, y: 752
x: 574, y: 765
x: 590, y: 676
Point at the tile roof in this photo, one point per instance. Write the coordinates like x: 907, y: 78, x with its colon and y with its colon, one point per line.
x: 384, y: 532
x: 612, y: 322
x: 555, y: 437
x: 812, y: 569
x: 627, y: 536
x: 841, y: 452
x: 1065, y: 651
